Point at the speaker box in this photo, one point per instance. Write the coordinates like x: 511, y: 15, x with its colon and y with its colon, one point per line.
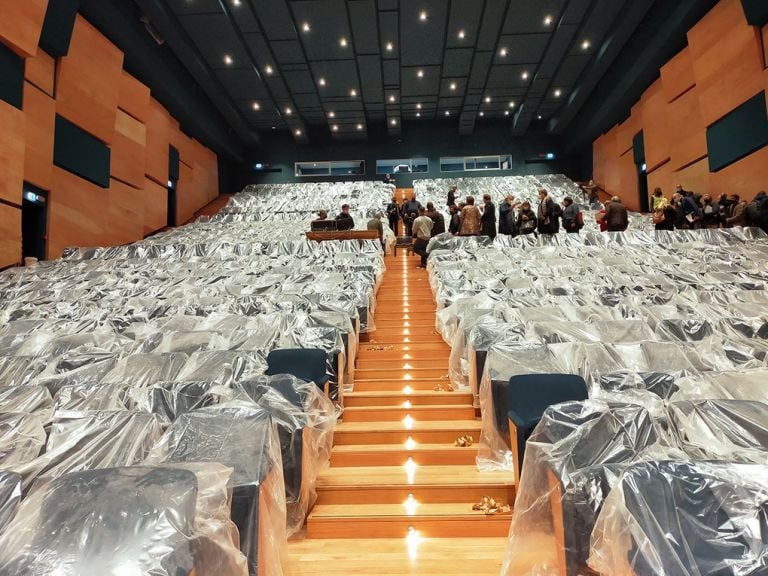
x: 756, y: 12
x: 57, y: 26
x: 80, y: 153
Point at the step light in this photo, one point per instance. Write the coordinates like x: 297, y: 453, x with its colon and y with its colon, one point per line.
x: 408, y: 422
x: 410, y: 505
x: 410, y: 443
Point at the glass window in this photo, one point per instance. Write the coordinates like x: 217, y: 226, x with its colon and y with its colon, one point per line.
x: 451, y: 164
x: 473, y: 163
x: 336, y: 168
x: 402, y: 166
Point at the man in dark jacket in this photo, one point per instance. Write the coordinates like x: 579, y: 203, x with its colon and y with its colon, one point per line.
x: 507, y: 223
x: 451, y: 197
x: 410, y: 211
x: 616, y: 215
x: 488, y: 218
x: 393, y: 214
x: 344, y: 220
x: 437, y: 219
x: 570, y: 216
x: 455, y: 223
x: 546, y: 218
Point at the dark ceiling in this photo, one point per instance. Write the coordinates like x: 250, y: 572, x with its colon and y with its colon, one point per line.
x: 294, y: 64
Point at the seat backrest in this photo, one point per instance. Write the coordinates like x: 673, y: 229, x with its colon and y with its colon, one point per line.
x: 304, y: 363
x: 530, y: 394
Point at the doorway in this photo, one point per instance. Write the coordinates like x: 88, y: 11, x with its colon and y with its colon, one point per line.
x: 34, y: 222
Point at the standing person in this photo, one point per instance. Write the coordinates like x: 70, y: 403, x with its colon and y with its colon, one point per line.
x: 546, y: 217
x: 692, y: 213
x: 422, y: 232
x: 488, y: 218
x: 735, y: 215
x: 410, y: 210
x: 657, y: 200
x: 437, y: 219
x: 451, y: 197
x: 345, y: 220
x: 375, y: 224
x: 526, y: 219
x: 616, y: 215
x: 664, y: 217
x: 455, y: 223
x: 389, y: 180
x: 393, y: 214
x: 469, y: 218
x: 507, y: 224
x: 571, y: 220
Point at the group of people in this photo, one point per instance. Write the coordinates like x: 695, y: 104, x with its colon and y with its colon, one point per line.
x: 690, y: 211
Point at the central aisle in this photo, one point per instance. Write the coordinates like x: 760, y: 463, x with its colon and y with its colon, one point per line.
x: 395, y: 469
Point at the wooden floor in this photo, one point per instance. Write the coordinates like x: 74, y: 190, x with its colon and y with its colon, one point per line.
x: 398, y: 496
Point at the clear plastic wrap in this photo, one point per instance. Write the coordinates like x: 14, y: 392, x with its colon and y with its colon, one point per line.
x: 682, y: 518
x: 572, y: 460
x: 91, y: 440
x: 163, y: 521
x: 244, y: 437
x: 26, y: 400
x: 22, y: 437
x: 10, y: 496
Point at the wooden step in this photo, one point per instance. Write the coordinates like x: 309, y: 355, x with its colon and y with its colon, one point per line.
x: 398, y: 373
x: 396, y: 398
x: 403, y: 323
x: 419, y: 413
x: 428, y: 484
x: 399, y: 315
x: 445, y: 520
x: 423, y: 432
x: 395, y: 557
x: 379, y: 345
x: 398, y: 454
x: 399, y: 384
x: 414, y: 334
x: 373, y: 363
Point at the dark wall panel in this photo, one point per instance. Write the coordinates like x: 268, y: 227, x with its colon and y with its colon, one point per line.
x: 78, y: 152
x: 11, y: 76
x: 173, y: 164
x: 756, y: 12
x: 58, y: 25
x: 738, y: 134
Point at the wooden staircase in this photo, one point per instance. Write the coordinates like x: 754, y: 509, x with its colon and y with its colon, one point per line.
x: 396, y: 476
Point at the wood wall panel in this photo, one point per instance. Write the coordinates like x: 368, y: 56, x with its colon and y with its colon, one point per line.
x: 129, y: 150
x: 40, y: 70
x: 629, y: 181
x: 10, y: 235
x: 695, y: 177
x: 687, y: 133
x: 134, y: 97
x: 12, y: 147
x: 126, y: 211
x: 89, y: 80
x: 185, y: 195
x: 656, y: 131
x: 626, y: 131
x: 21, y: 22
x: 727, y: 60
x: 159, y: 128
x: 746, y: 177
x: 606, y: 171
x: 40, y: 114
x: 155, y: 206
x: 677, y: 75
x: 663, y: 177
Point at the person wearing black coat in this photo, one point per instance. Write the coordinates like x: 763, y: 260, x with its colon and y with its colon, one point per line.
x: 455, y: 223
x: 409, y: 211
x: 526, y: 219
x: 451, y: 197
x: 488, y: 218
x: 438, y: 221
x: 507, y: 224
x: 393, y: 214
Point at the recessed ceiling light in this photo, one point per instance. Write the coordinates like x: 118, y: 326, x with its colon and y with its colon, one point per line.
x: 418, y: 114
x: 392, y: 98
x: 420, y: 73
x: 288, y: 111
x: 487, y: 99
x: 274, y: 127
x: 305, y: 27
x: 512, y: 104
x: 447, y: 112
x: 298, y: 132
x: 548, y: 20
x: 393, y: 122
x: 268, y: 69
x: 390, y: 46
x: 331, y: 114
x: 228, y: 60
x: 506, y: 112
x: 586, y: 45
x: 452, y: 86
x: 359, y: 126
x: 236, y: 2
x: 343, y: 42
x: 256, y: 106
x: 558, y: 93
x: 540, y: 117
x: 503, y: 52
x: 482, y: 113
x: 321, y: 81
x: 418, y: 106
x: 423, y: 16
x: 335, y: 127
x: 461, y: 34
x: 353, y: 92
x: 524, y: 75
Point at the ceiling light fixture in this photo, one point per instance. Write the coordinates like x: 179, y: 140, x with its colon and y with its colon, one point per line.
x: 482, y: 113
x: 420, y: 73
x: 539, y: 117
x: 512, y: 104
x: 359, y: 126
x: 461, y: 34
x: 331, y: 114
x: 586, y: 45
x: 306, y: 27
x: 548, y: 20
x: 228, y: 60
x: 418, y: 114
x: 423, y: 16
x: 298, y: 132
x: 236, y: 2
x: 558, y: 93
x: 343, y: 42
x: 447, y: 112
x: 288, y: 111
x: 268, y: 69
x: 390, y: 46
x: 392, y: 98
x: 506, y: 112
x: 335, y: 127
x: 418, y: 106
x: 353, y: 92
x: 452, y: 86
x: 503, y: 52
x: 256, y: 106
x: 525, y: 75
x: 321, y: 81
x: 487, y: 99
x: 393, y: 122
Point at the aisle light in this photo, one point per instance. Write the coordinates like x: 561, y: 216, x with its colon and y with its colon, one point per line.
x: 407, y: 404
x: 410, y: 443
x: 407, y: 390
x: 412, y: 540
x: 408, y: 422
x: 410, y: 469
x: 410, y: 505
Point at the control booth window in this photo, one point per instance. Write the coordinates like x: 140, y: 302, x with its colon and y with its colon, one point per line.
x: 475, y: 163
x: 334, y: 168
x: 402, y: 166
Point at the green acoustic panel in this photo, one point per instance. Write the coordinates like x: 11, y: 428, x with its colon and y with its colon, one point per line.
x: 738, y: 133
x: 78, y: 152
x: 11, y: 76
